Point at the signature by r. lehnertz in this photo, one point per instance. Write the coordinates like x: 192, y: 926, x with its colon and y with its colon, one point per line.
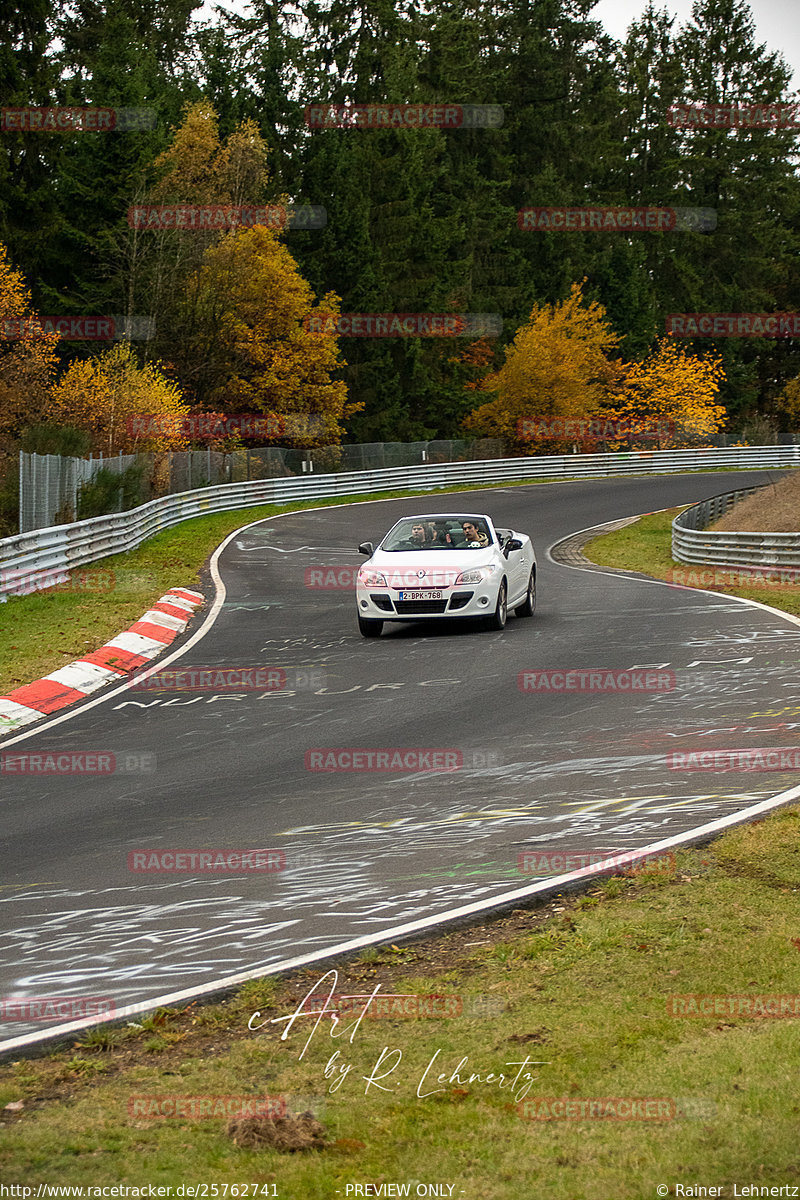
x: 431, y: 1080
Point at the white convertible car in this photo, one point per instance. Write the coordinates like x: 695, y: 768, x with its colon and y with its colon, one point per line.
x: 445, y: 565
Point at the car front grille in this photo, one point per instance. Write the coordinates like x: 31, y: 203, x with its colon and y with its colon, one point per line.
x: 459, y: 599
x: 420, y: 606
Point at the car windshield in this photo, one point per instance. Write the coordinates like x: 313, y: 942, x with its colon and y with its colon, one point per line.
x: 438, y: 533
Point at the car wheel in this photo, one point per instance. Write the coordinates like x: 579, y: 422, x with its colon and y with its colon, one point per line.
x: 498, y: 618
x: 368, y: 628
x: 528, y: 606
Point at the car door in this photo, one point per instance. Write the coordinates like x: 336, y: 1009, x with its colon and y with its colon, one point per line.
x: 518, y: 568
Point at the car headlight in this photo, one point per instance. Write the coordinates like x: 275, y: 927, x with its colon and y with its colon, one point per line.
x: 476, y: 575
x: 368, y: 578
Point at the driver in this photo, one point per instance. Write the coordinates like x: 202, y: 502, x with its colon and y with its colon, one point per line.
x: 418, y: 539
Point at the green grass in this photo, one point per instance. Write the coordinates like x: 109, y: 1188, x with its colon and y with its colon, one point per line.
x: 584, y: 996
x: 646, y: 546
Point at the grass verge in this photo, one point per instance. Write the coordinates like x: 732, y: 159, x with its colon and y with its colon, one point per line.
x: 646, y: 546
x: 580, y: 988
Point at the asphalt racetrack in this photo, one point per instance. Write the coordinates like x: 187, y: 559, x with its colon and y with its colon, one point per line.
x: 370, y: 851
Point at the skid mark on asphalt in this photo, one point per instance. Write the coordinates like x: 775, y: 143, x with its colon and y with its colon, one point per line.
x: 609, y: 807
x: 104, y: 939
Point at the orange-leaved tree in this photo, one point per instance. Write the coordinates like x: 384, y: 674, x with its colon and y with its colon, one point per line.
x: 250, y: 316
x: 200, y: 181
x: 787, y: 405
x: 122, y: 405
x: 27, y: 356
x: 670, y: 396
x: 558, y: 366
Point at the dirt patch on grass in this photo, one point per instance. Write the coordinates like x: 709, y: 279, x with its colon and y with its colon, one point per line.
x: 774, y: 509
x: 289, y: 1134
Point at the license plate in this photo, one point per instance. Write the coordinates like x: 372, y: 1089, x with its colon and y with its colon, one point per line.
x: 418, y: 595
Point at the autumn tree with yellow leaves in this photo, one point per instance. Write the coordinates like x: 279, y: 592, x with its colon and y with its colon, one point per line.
x: 27, y: 356
x: 249, y: 321
x: 787, y: 404
x: 123, y: 406
x: 558, y: 366
x: 199, y: 168
x: 230, y: 306
x: 153, y: 258
x: 672, y: 394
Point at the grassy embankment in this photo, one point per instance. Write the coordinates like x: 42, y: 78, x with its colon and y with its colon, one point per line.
x: 583, y: 985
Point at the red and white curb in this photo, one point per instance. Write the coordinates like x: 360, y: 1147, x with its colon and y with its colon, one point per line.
x: 145, y: 639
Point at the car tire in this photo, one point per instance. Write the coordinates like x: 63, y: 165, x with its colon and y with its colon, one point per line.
x: 528, y: 606
x: 500, y: 615
x: 369, y: 628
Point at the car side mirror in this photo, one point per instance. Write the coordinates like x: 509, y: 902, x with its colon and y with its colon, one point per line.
x: 366, y: 548
x: 512, y: 544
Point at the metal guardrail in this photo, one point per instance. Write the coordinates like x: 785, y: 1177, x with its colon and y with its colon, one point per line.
x: 50, y: 485
x: 694, y: 542
x: 31, y: 561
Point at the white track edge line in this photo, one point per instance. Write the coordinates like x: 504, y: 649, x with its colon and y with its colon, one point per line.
x: 621, y: 573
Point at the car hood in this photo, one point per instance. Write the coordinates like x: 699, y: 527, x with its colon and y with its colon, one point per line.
x: 402, y: 569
